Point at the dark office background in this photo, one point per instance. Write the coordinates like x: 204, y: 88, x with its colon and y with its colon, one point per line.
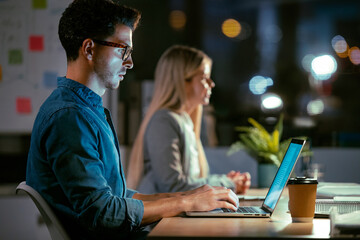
x: 275, y: 37
x: 302, y: 27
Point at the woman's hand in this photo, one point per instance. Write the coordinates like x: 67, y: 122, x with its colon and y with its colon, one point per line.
x: 242, y: 181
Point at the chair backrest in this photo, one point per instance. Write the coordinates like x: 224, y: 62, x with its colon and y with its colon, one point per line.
x: 53, y: 224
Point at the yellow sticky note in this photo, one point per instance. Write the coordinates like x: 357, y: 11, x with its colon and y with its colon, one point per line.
x: 39, y: 4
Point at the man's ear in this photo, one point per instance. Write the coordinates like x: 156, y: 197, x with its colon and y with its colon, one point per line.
x: 87, y: 49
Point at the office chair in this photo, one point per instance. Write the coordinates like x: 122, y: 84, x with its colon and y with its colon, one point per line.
x: 57, y: 231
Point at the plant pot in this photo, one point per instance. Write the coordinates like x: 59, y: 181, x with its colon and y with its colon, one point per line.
x: 266, y: 174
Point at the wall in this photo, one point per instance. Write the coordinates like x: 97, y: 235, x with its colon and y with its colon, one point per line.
x: 31, y: 58
x: 19, y: 217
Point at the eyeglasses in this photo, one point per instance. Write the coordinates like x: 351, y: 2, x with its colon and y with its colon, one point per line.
x: 127, y: 52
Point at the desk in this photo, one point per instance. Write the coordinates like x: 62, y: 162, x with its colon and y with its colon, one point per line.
x: 278, y: 226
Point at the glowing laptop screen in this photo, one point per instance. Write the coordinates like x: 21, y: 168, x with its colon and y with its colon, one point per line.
x: 282, y: 175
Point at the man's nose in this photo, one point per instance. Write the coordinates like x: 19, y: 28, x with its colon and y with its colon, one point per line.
x: 129, y: 64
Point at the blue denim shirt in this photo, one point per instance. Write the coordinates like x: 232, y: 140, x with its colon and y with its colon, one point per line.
x: 74, y: 163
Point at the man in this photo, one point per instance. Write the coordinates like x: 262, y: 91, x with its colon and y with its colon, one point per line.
x: 74, y: 158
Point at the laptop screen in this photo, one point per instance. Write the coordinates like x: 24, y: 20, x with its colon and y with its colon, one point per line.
x: 283, y: 173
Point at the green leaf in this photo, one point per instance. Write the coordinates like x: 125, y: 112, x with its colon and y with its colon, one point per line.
x: 270, y: 157
x: 235, y: 147
x: 248, y: 143
x: 279, y: 125
x: 262, y: 146
x: 260, y: 143
x: 262, y: 130
x: 274, y: 146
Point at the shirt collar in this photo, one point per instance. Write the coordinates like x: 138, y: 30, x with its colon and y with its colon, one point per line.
x: 80, y: 89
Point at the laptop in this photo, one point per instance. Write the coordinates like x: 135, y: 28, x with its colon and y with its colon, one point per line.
x: 274, y: 193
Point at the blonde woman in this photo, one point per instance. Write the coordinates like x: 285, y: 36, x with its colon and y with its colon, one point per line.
x: 167, y: 155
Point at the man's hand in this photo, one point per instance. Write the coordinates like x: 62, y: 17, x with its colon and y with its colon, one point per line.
x: 204, y: 198
x: 242, y: 181
x: 207, y: 198
x: 199, y: 189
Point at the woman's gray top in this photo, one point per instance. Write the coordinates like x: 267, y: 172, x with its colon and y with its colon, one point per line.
x: 171, y: 158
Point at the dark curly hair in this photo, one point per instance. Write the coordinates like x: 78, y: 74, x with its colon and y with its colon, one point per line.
x: 96, y: 19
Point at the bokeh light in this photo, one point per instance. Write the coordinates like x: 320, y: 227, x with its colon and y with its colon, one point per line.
x: 323, y: 67
x: 273, y: 33
x: 315, y: 107
x: 304, y: 122
x: 177, y: 19
x: 340, y: 46
x: 306, y: 62
x: 259, y: 84
x: 354, y: 55
x: 231, y: 28
x: 271, y: 101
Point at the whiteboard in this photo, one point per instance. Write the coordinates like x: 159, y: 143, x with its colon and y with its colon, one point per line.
x: 31, y: 58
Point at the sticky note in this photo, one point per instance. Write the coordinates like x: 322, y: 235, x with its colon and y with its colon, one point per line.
x: 36, y: 43
x: 15, y: 56
x: 50, y: 79
x: 23, y: 105
x: 39, y: 4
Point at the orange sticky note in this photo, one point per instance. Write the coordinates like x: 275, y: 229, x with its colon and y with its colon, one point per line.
x: 36, y: 43
x: 23, y: 105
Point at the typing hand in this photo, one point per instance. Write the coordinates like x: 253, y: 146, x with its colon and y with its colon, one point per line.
x: 207, y: 198
x: 197, y: 190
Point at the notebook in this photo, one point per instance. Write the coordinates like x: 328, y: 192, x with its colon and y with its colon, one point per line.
x: 343, y: 205
x: 274, y: 193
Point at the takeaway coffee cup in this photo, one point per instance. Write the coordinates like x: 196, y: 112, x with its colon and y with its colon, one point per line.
x: 302, y: 197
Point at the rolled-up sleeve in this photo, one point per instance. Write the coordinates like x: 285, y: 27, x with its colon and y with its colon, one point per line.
x: 135, y: 211
x: 134, y: 207
x: 130, y: 193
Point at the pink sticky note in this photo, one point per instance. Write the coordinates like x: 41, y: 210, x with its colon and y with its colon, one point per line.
x: 36, y: 43
x: 23, y: 105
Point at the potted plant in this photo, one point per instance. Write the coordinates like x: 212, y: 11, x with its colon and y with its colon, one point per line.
x: 265, y: 148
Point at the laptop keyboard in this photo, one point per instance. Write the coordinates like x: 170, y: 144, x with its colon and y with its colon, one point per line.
x: 242, y: 210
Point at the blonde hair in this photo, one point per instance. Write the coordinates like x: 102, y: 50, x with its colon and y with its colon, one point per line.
x: 175, y: 66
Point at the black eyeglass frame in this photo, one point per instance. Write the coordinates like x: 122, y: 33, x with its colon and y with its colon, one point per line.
x: 127, y: 52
